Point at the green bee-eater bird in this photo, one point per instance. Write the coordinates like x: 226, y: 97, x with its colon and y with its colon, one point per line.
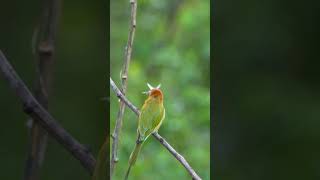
x: 150, y: 120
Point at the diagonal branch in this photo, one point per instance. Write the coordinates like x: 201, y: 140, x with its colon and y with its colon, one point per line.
x: 123, y: 98
x: 124, y: 82
x: 45, y: 53
x: 32, y: 107
x: 178, y: 156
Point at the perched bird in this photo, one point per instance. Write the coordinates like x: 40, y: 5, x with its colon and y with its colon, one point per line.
x: 150, y: 120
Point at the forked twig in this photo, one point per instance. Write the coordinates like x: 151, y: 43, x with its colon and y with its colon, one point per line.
x: 124, y: 82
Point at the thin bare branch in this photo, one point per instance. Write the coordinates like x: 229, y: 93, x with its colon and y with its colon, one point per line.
x: 123, y: 98
x: 124, y: 82
x: 34, y: 109
x: 178, y: 156
x: 45, y: 53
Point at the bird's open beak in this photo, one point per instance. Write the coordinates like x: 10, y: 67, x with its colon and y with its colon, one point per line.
x: 150, y: 88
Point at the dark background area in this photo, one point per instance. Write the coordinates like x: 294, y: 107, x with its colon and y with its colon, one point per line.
x: 79, y: 83
x: 266, y: 90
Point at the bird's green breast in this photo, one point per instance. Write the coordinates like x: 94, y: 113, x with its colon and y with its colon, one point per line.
x: 150, y: 118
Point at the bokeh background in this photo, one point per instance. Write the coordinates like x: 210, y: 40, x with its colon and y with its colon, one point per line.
x: 80, y: 82
x: 266, y: 90
x: 171, y: 47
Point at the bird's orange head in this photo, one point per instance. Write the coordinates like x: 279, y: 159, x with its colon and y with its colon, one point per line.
x: 154, y: 92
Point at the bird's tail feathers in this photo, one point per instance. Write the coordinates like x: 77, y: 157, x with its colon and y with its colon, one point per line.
x: 133, y: 156
x: 135, y: 153
x: 128, y: 171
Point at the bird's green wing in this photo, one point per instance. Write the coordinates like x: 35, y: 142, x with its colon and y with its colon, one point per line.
x: 158, y: 121
x: 150, y: 118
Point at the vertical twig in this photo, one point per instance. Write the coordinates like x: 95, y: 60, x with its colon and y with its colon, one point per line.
x: 45, y: 58
x: 124, y: 81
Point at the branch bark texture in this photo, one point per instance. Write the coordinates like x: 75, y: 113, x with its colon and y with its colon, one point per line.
x: 34, y: 109
x: 124, y: 82
x: 46, y: 35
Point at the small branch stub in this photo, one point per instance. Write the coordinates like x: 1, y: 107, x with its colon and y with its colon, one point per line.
x: 46, y: 48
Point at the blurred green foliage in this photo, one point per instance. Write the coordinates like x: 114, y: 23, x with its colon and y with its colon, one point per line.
x: 171, y: 47
x: 79, y: 84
